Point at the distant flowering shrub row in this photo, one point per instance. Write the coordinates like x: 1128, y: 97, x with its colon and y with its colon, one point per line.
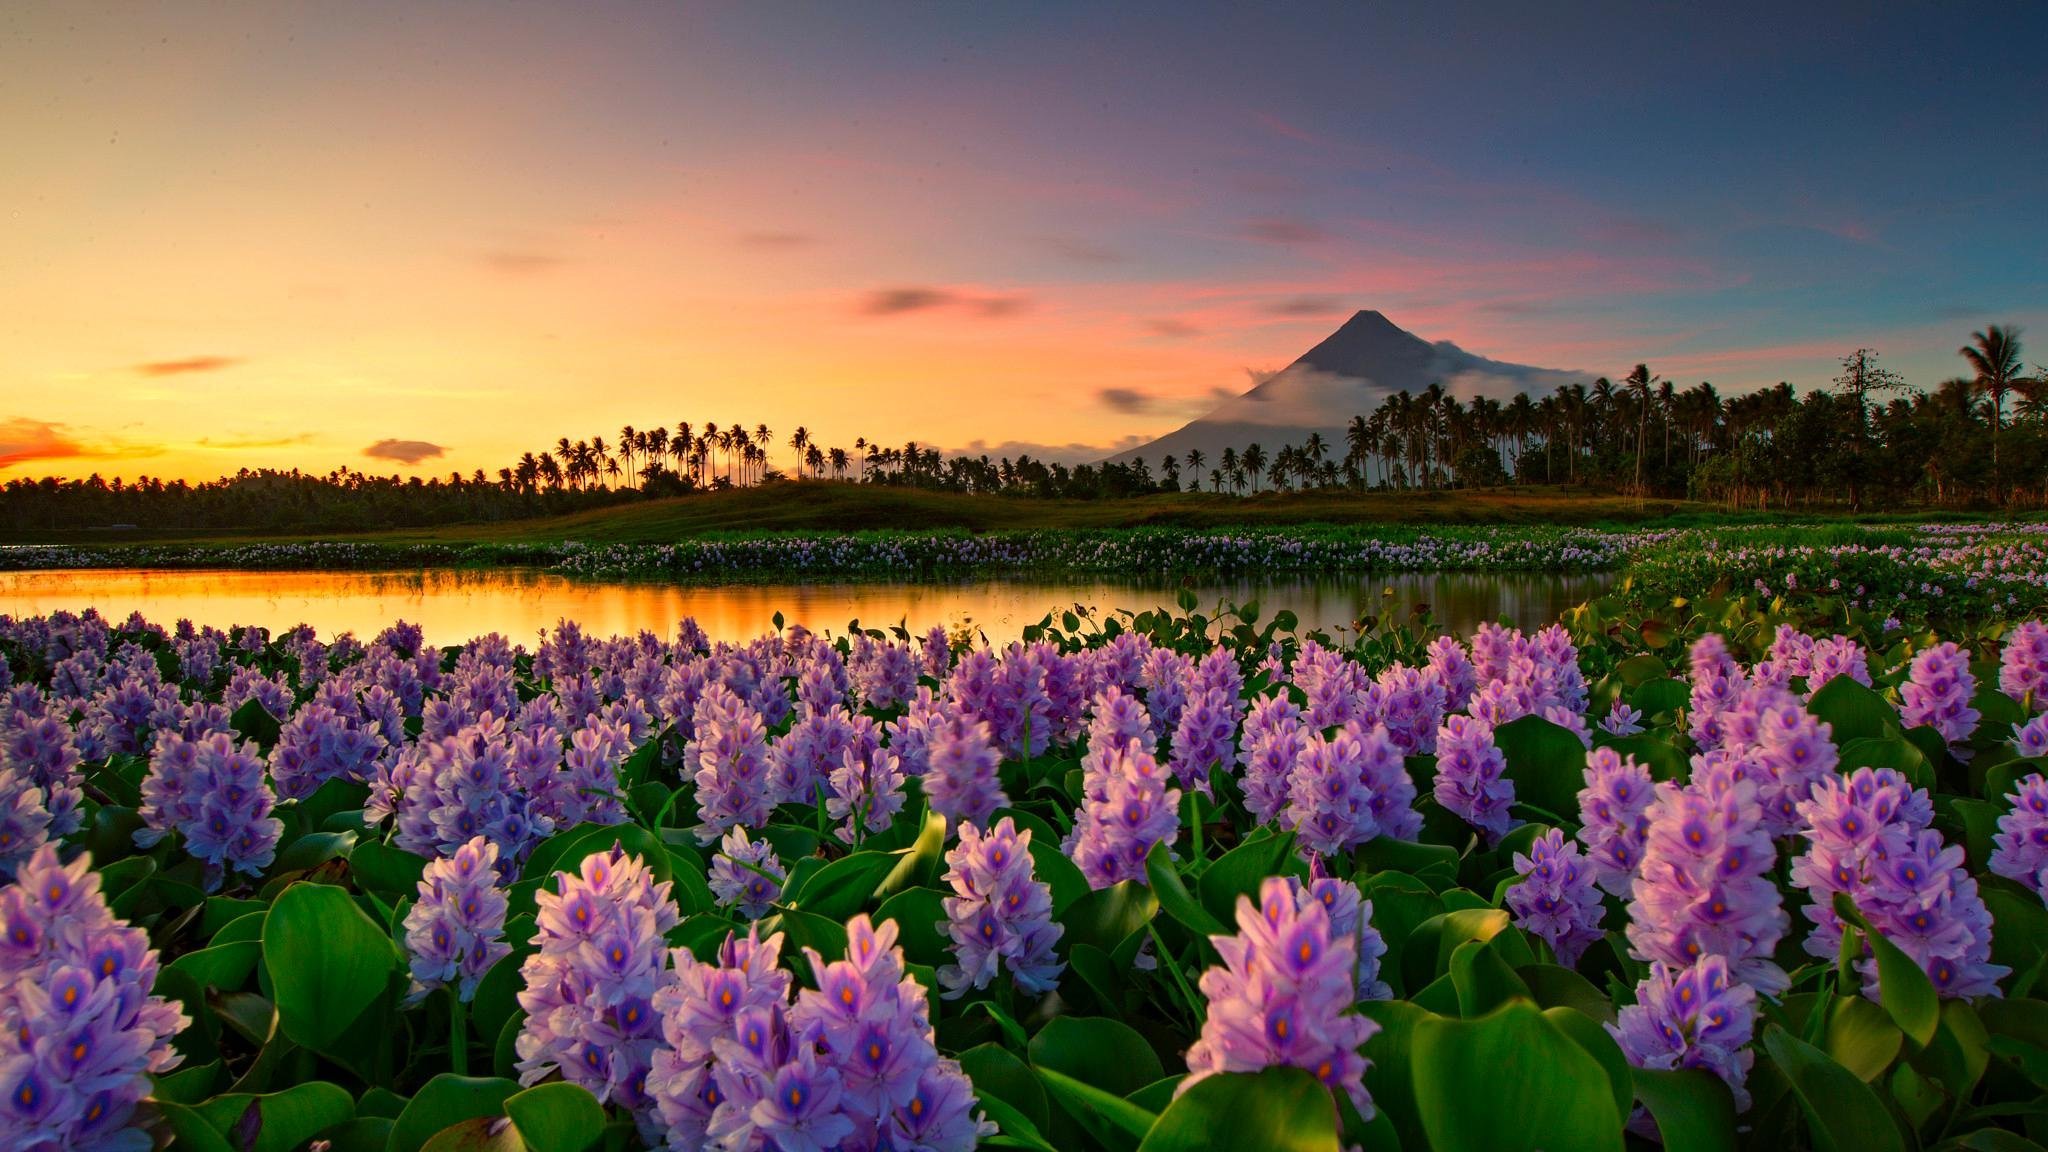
x: 896, y: 555
x: 1153, y: 879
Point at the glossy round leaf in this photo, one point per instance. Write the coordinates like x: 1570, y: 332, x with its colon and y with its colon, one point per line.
x: 1278, y: 1110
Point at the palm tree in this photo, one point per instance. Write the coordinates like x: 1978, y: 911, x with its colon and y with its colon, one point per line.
x: 1639, y: 382
x: 1254, y: 460
x: 839, y: 459
x: 798, y: 441
x: 1994, y: 358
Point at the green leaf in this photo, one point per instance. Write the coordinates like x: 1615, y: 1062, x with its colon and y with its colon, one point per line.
x: 1058, y: 871
x: 1902, y: 985
x: 803, y: 930
x: 1482, y: 979
x: 843, y: 887
x: 252, y: 722
x: 1017, y: 1130
x: 1174, y: 896
x: 918, y: 912
x: 1694, y: 1110
x: 447, y: 1100
x: 1102, y: 1052
x: 1240, y: 871
x: 1842, y: 1112
x: 1854, y: 711
x: 1111, y: 1119
x: 1106, y: 916
x: 1862, y: 1037
x: 1546, y: 762
x: 1427, y: 954
x: 1659, y: 695
x: 328, y: 962
x: 1588, y: 1034
x: 566, y: 850
x: 285, y: 1120
x: 1542, y: 1090
x: 1280, y: 1110
x: 557, y: 1117
x: 996, y: 1071
x: 917, y: 865
x: 387, y: 871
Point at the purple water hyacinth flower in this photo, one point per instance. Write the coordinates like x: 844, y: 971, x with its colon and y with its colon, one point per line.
x: 1409, y: 704
x: 1703, y: 888
x: 75, y: 999
x: 600, y: 959
x: 908, y: 736
x: 1621, y: 720
x: 1837, y: 656
x: 874, y: 1021
x: 456, y: 930
x: 867, y: 793
x: 1204, y: 739
x: 731, y: 763
x: 1350, y: 918
x: 318, y: 744
x: 24, y: 822
x: 1557, y: 899
x: 960, y: 782
x: 1783, y: 749
x: 1718, y: 683
x: 1329, y: 804
x: 1165, y: 676
x: 1869, y: 837
x: 802, y: 758
x: 699, y: 1006
x: 885, y: 674
x: 215, y: 795
x: 41, y: 749
x: 451, y: 789
x: 2023, y: 665
x: 1938, y: 693
x: 2020, y: 849
x: 1695, y: 1016
x: 1613, y: 818
x: 1000, y: 913
x: 590, y: 792
x: 1283, y: 997
x: 1135, y: 811
x: 2030, y: 740
x: 1471, y: 780
x: 939, y: 1116
x: 1385, y: 772
x: 1571, y: 722
x: 1274, y: 739
x: 746, y: 874
x: 1333, y: 686
x: 937, y: 653
x: 1453, y: 669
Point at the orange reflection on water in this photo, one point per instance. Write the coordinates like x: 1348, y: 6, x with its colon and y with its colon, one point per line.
x: 454, y: 605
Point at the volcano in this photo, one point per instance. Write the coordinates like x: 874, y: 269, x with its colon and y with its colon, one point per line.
x: 1348, y: 374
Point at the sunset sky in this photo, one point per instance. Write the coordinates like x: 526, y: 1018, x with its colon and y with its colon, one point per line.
x: 277, y: 234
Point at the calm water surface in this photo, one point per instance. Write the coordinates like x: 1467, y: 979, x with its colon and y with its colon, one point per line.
x: 455, y: 605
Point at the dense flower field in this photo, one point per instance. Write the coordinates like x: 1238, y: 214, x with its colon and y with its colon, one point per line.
x: 1744, y: 872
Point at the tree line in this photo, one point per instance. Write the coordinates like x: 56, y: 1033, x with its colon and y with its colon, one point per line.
x: 1868, y: 439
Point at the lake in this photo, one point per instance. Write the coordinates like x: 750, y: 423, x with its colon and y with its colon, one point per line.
x: 453, y: 605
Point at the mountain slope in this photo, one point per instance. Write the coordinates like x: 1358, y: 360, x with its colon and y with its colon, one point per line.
x: 1348, y: 374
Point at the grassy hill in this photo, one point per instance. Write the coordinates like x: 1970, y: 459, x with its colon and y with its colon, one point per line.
x: 829, y: 507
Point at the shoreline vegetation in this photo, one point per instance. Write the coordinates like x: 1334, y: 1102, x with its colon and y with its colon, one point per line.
x: 1951, y: 573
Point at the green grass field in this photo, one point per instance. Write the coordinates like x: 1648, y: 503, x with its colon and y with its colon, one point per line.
x: 828, y: 507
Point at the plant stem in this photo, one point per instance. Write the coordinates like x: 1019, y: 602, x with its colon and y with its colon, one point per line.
x: 458, y: 1032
